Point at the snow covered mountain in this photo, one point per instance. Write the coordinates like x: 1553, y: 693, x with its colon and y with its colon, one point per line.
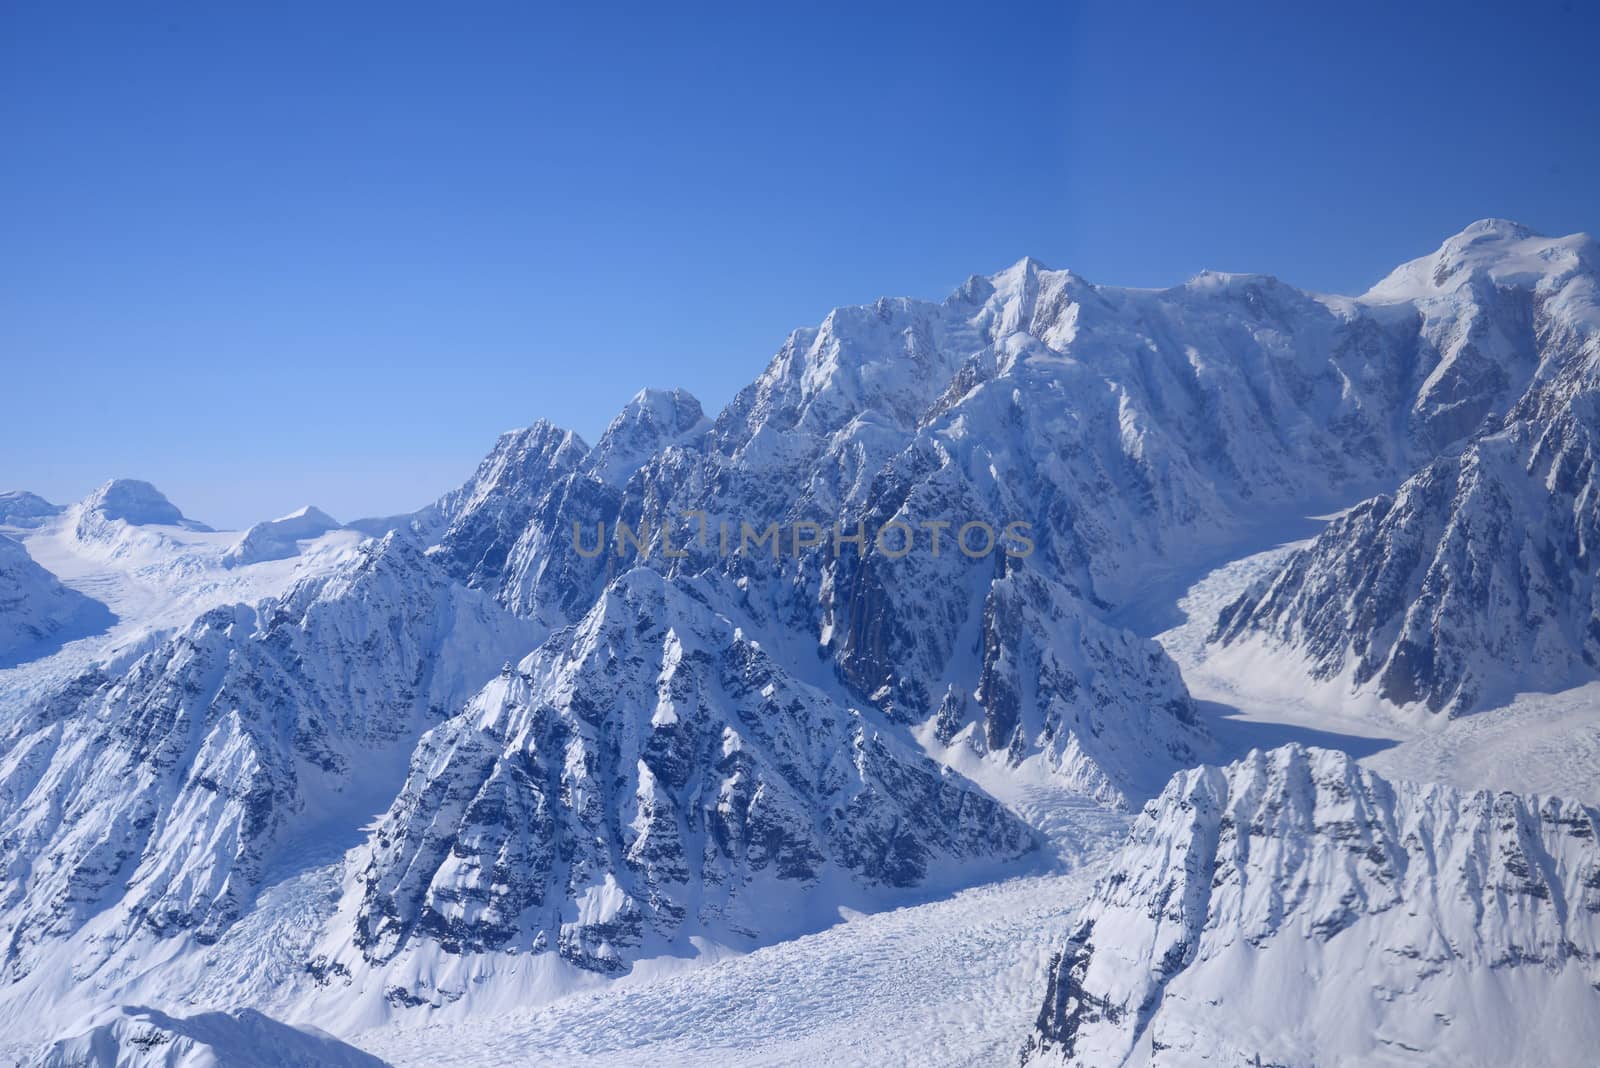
x: 126, y: 519
x: 480, y: 523
x: 650, y: 775
x: 136, y: 503
x: 1119, y: 426
x: 1293, y: 909
x: 1026, y: 398
x: 278, y: 538
x: 682, y: 693
x: 1477, y: 577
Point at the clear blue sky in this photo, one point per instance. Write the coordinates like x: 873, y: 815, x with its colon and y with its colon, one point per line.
x: 264, y: 255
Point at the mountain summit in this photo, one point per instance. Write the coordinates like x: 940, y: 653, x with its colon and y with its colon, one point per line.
x: 1507, y: 253
x: 137, y: 504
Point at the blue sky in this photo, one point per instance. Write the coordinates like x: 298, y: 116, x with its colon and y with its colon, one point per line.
x: 266, y: 255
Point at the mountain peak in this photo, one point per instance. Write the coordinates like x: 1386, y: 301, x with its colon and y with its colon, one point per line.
x: 652, y: 420
x: 539, y: 434
x: 1018, y: 273
x: 539, y: 446
x: 1484, y: 240
x: 136, y: 503
x: 24, y: 509
x: 1027, y: 264
x: 311, y: 514
x: 1220, y: 281
x: 1508, y: 252
x: 277, y: 539
x: 1504, y: 229
x: 658, y: 399
x: 666, y: 412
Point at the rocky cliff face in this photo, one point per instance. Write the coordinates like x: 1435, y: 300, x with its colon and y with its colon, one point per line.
x: 1293, y: 909
x: 482, y: 519
x: 650, y: 774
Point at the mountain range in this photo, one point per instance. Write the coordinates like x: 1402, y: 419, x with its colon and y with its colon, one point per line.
x: 680, y: 694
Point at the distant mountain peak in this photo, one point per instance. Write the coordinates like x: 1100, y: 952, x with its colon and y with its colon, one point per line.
x: 1508, y: 252
x: 136, y: 503
x: 1211, y: 279
x: 23, y: 509
x: 277, y: 539
x: 311, y: 514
